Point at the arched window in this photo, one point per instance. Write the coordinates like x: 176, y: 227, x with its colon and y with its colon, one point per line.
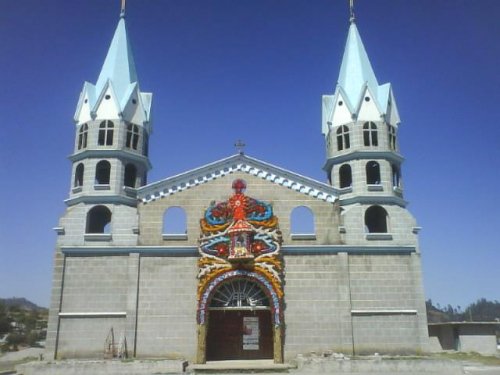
x: 370, y: 135
x: 239, y: 293
x: 174, y: 221
x: 372, y: 173
x: 376, y: 220
x: 302, y: 221
x: 82, y: 136
x: 130, y: 175
x: 79, y: 175
x: 98, y: 220
x: 106, y: 133
x: 345, y: 176
x: 391, y: 136
x: 343, y: 141
x: 132, y: 136
x: 102, y: 172
x: 396, y: 176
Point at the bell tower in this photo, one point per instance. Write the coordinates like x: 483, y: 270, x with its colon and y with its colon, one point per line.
x: 112, y: 128
x: 360, y: 124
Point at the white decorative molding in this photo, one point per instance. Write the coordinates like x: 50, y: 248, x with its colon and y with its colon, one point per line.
x: 104, y: 314
x: 238, y: 163
x: 384, y: 312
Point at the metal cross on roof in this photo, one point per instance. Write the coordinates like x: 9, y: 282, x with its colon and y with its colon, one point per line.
x: 240, y: 146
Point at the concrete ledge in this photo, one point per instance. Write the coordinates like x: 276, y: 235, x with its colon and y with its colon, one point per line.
x: 256, y: 365
x: 377, y: 364
x: 384, y: 312
x: 102, y: 367
x: 118, y: 314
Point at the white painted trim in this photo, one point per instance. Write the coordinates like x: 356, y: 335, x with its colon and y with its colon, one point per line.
x: 116, y: 314
x: 303, y: 236
x: 384, y: 312
x: 97, y: 237
x: 378, y: 236
x: 174, y: 237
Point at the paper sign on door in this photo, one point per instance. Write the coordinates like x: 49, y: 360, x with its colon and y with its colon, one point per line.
x: 250, y: 333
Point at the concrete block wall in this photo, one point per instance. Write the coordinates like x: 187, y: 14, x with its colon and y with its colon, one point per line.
x: 337, y: 302
x: 95, y: 284
x: 381, y: 282
x: 166, y: 317
x: 86, y: 337
x: 196, y: 200
x: 386, y: 292
x: 55, y: 303
x: 359, y: 181
x: 317, y: 305
x: 400, y: 224
x: 84, y: 287
x: 124, y: 220
x: 388, y: 333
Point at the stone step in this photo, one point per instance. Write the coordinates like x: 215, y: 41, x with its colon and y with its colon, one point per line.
x: 260, y: 366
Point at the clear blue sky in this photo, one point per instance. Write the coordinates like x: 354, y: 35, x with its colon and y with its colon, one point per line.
x: 221, y: 70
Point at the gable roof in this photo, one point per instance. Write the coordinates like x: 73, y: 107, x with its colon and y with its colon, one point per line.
x: 237, y: 163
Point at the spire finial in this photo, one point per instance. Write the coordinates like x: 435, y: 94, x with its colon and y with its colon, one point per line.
x: 122, y: 12
x: 351, y: 11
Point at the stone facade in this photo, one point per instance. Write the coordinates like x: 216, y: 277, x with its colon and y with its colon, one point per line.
x: 350, y: 283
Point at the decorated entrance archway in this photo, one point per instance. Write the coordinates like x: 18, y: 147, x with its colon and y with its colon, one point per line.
x: 239, y: 310
x: 240, y: 276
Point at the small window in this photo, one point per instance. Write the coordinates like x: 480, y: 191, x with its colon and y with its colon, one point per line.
x: 102, y: 172
x: 132, y: 136
x: 175, y: 222
x: 106, y: 129
x: 370, y: 135
x: 302, y: 223
x: 345, y: 176
x: 372, y: 173
x: 82, y: 136
x: 391, y: 137
x: 343, y: 141
x: 130, y: 175
x: 376, y: 220
x: 99, y: 220
x: 396, y: 176
x: 79, y: 175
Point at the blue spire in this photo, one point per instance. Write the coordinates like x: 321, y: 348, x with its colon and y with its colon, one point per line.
x: 119, y: 66
x: 356, y: 70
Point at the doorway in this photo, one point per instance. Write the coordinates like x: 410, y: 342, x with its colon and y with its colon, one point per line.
x: 240, y: 322
x: 239, y: 334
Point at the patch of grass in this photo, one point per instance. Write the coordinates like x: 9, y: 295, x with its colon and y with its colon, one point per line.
x: 471, y: 357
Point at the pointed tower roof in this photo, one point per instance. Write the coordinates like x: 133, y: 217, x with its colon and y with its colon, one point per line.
x: 356, y: 86
x: 119, y: 66
x: 117, y: 79
x: 356, y: 69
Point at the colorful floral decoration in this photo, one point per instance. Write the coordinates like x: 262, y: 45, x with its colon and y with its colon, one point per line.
x: 240, y: 237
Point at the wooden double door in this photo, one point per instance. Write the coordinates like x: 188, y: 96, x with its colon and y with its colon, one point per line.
x: 239, y: 334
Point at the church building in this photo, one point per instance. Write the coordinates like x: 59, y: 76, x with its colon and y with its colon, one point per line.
x: 205, y: 265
